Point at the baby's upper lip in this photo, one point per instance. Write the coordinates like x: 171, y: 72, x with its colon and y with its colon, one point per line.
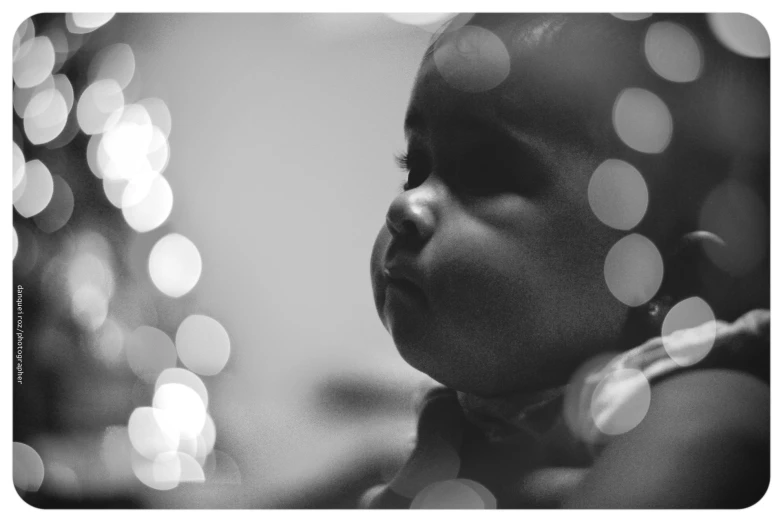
x: 401, y: 271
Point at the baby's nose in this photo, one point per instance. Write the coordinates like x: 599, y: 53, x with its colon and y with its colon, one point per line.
x: 411, y: 216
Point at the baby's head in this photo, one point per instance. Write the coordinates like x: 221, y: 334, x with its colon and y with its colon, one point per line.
x: 489, y: 271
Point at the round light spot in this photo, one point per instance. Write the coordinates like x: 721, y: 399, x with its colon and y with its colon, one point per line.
x: 175, y: 265
x: 115, y: 62
x: 80, y: 23
x: 64, y: 87
x: 28, y: 468
x: 124, y: 150
x: 38, y: 189
x: 22, y: 97
x: 45, y: 117
x: 632, y: 17
x: 735, y: 213
x: 152, y: 431
x: 190, y: 469
x: 618, y: 194
x: 448, y: 494
x: 184, y: 405
x: 443, y: 465
x: 673, y: 52
x: 33, y: 62
x: 161, y: 472
x: 427, y: 21
x: 203, y: 344
x: 579, y: 393
x: 114, y: 189
x: 472, y: 59
x: 15, y: 242
x: 18, y: 165
x: 740, y: 33
x: 620, y: 401
x: 89, y: 267
x: 689, y: 331
x: 149, y: 351
x: 633, y: 270
x: 98, y: 106
x: 642, y: 120
x: 107, y: 344
x: 159, y: 113
x: 59, y: 210
x: 186, y: 378
x: 23, y: 33
x: 89, y: 306
x: 116, y: 452
x: 62, y: 480
x: 153, y: 210
x: 220, y: 468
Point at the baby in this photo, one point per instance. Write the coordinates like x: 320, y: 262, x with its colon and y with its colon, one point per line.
x: 490, y: 275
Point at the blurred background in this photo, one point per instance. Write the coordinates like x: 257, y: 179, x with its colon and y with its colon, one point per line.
x: 195, y: 201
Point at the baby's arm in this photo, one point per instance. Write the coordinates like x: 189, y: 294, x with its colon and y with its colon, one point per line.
x: 704, y: 443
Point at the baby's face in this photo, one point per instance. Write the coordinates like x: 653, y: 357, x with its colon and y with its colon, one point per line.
x: 489, y: 270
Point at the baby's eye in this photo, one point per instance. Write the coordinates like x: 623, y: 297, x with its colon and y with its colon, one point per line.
x: 417, y: 165
x: 495, y: 169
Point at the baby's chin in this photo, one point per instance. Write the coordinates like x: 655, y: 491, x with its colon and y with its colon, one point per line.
x: 467, y: 370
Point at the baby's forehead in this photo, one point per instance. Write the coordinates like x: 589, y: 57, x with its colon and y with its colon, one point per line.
x: 546, y: 73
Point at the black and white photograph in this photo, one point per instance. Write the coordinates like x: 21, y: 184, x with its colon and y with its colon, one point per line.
x: 370, y: 260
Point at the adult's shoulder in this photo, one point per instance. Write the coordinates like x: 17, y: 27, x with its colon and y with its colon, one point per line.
x: 704, y: 443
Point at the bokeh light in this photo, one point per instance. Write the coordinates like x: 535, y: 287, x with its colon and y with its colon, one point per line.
x: 158, y: 112
x: 673, y: 52
x: 28, y: 468
x: 61, y: 480
x: 38, y: 189
x: 60, y: 207
x: 22, y: 97
x: 186, y: 378
x: 45, y: 116
x: 115, y: 62
x: 689, y: 331
x: 184, y: 405
x: 472, y: 59
x: 23, y: 33
x: 618, y: 194
x: 454, y: 494
x: 33, y: 62
x: 642, y: 120
x: 443, y: 464
x: 633, y: 270
x: 579, y: 393
x: 220, y: 468
x: 90, y: 306
x: 175, y: 265
x: 80, y: 23
x: 427, y: 21
x: 161, y: 472
x: 203, y: 344
x: 632, y: 17
x: 740, y: 33
x: 63, y: 85
x: 152, y: 431
x: 735, y: 213
x: 99, y: 106
x: 153, y: 209
x: 108, y: 342
x: 116, y: 452
x: 15, y: 242
x: 620, y: 401
x: 149, y: 351
x: 18, y: 165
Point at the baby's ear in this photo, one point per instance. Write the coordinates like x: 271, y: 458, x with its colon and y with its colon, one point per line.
x: 688, y: 272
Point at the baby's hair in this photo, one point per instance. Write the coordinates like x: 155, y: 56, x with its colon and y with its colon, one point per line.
x: 720, y: 121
